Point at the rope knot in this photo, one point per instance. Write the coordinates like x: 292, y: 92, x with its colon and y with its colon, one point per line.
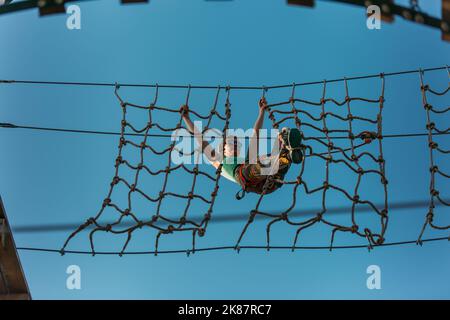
x: 252, y: 216
x: 184, y: 109
x: 434, y: 192
x: 115, y: 181
x: 106, y: 202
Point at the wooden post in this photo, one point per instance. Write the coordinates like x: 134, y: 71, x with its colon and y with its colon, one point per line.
x: 13, y: 285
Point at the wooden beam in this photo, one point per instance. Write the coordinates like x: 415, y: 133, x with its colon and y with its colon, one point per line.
x: 15, y: 296
x: 13, y: 285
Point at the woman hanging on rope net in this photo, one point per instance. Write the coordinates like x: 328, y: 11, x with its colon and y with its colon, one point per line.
x: 250, y: 172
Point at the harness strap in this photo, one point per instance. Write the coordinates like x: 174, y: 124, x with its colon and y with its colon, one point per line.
x: 247, y: 183
x: 240, y: 194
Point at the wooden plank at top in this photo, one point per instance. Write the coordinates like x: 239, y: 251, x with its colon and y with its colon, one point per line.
x: 48, y: 7
x: 386, y: 10
x: 14, y: 285
x: 306, y: 3
x: 133, y: 1
x: 445, y: 24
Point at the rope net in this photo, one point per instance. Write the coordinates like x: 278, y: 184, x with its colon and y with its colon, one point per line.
x: 333, y: 134
x: 438, y: 178
x: 163, y: 224
x: 323, y: 144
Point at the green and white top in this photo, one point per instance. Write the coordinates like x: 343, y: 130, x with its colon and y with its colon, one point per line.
x: 229, y: 166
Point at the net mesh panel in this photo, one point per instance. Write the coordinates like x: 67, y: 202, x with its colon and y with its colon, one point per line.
x: 438, y: 154
x: 162, y: 223
x: 356, y: 144
x: 287, y: 113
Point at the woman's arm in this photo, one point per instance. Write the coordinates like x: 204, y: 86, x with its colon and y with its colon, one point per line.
x: 206, y: 147
x: 253, y: 145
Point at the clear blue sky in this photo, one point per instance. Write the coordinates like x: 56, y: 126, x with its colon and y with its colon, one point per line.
x: 62, y: 178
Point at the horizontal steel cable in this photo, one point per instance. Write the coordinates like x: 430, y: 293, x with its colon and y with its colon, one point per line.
x: 189, y: 251
x: 111, y: 84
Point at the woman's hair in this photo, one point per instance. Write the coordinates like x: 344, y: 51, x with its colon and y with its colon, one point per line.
x: 230, y: 140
